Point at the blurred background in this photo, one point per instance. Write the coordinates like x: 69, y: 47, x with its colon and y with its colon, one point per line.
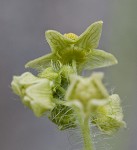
x: 22, y: 27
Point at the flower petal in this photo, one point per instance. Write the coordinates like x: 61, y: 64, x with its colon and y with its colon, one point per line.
x: 90, y: 38
x: 57, y: 41
x: 41, y: 95
x: 42, y: 62
x: 27, y: 78
x: 99, y: 58
x: 35, y: 93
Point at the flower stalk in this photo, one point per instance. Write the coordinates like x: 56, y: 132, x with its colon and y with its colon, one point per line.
x: 86, y: 133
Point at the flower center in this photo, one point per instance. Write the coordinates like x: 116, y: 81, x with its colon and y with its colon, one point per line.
x: 71, y: 36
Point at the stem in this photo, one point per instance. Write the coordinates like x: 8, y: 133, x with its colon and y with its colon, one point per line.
x: 86, y: 135
x: 85, y: 129
x: 74, y: 65
x: 62, y: 90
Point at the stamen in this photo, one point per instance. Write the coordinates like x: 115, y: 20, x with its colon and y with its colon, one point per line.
x: 71, y: 36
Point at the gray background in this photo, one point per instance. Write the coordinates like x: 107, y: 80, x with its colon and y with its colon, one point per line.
x: 22, y: 27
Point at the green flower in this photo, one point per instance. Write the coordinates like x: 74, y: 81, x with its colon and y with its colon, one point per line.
x: 85, y: 90
x: 35, y: 93
x: 91, y: 98
x: 109, y: 117
x: 50, y: 74
x: 71, y: 48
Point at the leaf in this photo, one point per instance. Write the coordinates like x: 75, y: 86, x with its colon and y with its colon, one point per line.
x: 99, y: 58
x: 57, y: 41
x: 90, y: 38
x: 41, y: 63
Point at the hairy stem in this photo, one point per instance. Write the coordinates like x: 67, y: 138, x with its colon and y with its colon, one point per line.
x: 85, y: 129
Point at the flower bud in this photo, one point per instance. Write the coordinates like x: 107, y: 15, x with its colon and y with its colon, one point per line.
x: 109, y: 117
x: 35, y: 93
x: 92, y: 99
x: 66, y: 71
x: 51, y: 75
x: 86, y: 89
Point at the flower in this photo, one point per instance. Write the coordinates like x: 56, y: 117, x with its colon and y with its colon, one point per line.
x: 91, y: 98
x: 69, y: 48
x: 86, y: 89
x: 35, y: 93
x: 109, y: 117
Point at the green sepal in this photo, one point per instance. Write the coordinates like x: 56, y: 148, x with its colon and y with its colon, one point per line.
x: 99, y: 58
x: 89, y: 39
x: 57, y: 41
x: 42, y: 62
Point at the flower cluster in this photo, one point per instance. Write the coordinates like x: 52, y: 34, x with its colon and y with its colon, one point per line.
x: 59, y: 89
x: 90, y: 96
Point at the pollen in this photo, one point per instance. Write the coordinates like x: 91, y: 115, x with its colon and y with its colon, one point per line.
x: 71, y: 36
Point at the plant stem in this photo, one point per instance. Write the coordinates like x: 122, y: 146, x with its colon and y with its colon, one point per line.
x: 74, y: 65
x: 85, y: 129
x: 61, y: 90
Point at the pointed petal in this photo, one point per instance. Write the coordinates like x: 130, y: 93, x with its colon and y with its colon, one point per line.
x: 98, y: 59
x: 57, y: 41
x: 90, y: 38
x: 41, y: 63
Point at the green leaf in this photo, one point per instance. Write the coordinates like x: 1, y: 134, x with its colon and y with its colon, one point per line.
x: 90, y: 38
x: 99, y: 58
x: 41, y: 63
x: 57, y: 41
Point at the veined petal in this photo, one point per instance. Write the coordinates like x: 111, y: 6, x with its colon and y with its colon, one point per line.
x: 90, y: 38
x: 15, y: 85
x: 27, y: 78
x: 99, y: 58
x: 42, y: 62
x: 20, y: 82
x: 41, y: 90
x: 41, y: 96
x: 57, y: 41
x: 35, y: 93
